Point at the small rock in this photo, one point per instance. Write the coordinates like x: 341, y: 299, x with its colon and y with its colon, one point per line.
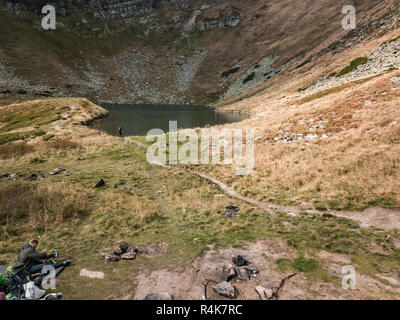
x: 225, y: 289
x: 228, y: 273
x: 158, y: 296
x: 100, y: 183
x: 92, y: 274
x: 123, y: 246
x: 265, y: 294
x: 31, y: 177
x: 128, y: 256
x: 157, y: 249
x: 393, y: 240
x: 395, y: 79
x: 243, y: 273
x: 56, y: 171
x: 111, y: 257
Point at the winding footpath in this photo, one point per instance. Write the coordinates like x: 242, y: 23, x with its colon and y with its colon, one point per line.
x: 381, y: 218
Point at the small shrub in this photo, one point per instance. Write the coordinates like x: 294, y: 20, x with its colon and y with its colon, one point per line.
x: 229, y: 72
x: 305, y: 265
x: 250, y: 77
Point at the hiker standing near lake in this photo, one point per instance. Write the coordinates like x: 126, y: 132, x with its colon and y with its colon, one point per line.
x: 34, y: 260
x: 120, y: 131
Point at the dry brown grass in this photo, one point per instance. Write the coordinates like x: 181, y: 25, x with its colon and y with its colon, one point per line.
x: 63, y: 144
x: 356, y: 166
x: 15, y: 149
x: 36, y: 207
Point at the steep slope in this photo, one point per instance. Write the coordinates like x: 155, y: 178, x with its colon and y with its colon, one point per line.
x: 164, y: 51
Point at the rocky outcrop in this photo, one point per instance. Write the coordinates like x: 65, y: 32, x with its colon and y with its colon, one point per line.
x: 223, y: 20
x: 386, y: 57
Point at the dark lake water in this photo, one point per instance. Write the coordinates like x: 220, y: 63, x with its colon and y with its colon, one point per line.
x: 139, y: 119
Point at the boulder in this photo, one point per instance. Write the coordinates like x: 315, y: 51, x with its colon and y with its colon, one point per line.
x: 225, y: 289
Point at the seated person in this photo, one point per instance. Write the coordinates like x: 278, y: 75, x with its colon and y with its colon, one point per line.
x: 34, y: 260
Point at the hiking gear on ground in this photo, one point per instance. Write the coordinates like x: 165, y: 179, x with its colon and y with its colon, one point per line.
x: 38, y: 268
x: 66, y: 263
x: 2, y: 280
x: 54, y: 254
x: 232, y: 208
x: 16, y: 281
x: 32, y: 292
x: 53, y: 296
x: 239, y: 261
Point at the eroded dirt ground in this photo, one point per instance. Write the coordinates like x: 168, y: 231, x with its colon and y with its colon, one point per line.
x: 263, y: 255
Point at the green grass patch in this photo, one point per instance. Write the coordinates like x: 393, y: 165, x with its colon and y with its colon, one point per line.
x: 15, y: 136
x: 47, y: 137
x: 353, y: 65
x: 305, y: 265
x: 21, y: 116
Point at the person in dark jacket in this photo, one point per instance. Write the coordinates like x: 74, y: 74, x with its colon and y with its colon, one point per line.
x: 34, y: 260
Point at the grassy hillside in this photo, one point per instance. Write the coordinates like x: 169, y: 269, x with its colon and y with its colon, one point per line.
x: 146, y: 204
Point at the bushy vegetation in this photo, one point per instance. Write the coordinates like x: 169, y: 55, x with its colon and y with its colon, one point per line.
x: 250, y: 77
x: 229, y: 72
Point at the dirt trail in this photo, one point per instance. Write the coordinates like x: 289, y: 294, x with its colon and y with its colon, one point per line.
x: 65, y: 118
x: 371, y: 217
